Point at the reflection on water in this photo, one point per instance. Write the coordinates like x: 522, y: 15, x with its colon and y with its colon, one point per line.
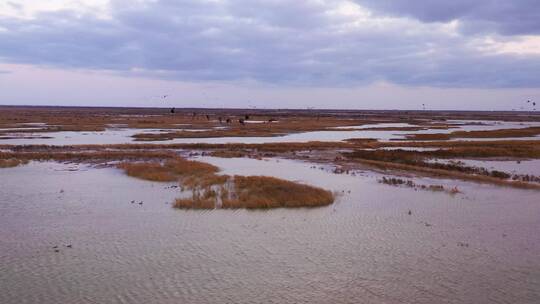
x: 479, y: 247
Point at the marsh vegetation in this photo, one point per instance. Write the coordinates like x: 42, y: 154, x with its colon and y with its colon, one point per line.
x: 210, y: 190
x: 162, y: 162
x: 11, y: 162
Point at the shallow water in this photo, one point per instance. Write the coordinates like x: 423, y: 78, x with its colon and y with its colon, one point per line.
x: 365, y: 248
x: 379, y: 125
x: 123, y: 136
x: 530, y: 167
x: 479, y: 125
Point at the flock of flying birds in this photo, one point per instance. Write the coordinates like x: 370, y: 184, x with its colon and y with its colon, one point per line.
x: 530, y: 104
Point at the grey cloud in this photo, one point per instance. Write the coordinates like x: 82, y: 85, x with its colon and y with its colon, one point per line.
x: 516, y: 17
x: 277, y: 42
x: 14, y: 5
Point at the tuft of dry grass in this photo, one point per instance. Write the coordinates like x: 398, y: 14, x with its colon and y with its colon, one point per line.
x: 184, y: 167
x: 12, y: 162
x: 203, y: 181
x: 256, y: 192
x: 171, y: 170
x: 262, y: 192
x: 194, y: 203
x: 152, y: 171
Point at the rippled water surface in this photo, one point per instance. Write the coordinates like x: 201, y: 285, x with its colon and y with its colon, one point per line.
x: 481, y: 246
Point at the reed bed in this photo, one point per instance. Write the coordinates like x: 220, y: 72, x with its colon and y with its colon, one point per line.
x: 266, y: 147
x: 261, y: 192
x: 416, y: 161
x: 88, y: 156
x: 384, y: 165
x: 194, y: 203
x: 209, y: 190
x: 170, y: 170
x: 504, y: 133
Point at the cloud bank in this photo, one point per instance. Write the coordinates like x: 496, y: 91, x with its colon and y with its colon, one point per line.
x: 517, y: 17
x: 288, y: 43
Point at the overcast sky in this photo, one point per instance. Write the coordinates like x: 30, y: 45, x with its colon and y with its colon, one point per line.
x: 364, y: 54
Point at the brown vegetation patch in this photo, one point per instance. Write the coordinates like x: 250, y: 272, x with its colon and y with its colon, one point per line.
x: 270, y: 192
x: 199, y: 203
x: 237, y: 132
x: 169, y: 170
x: 148, y: 171
x: 269, y: 147
x: 504, y: 133
x: 11, y: 162
x: 477, y: 149
x: 416, y: 161
x: 447, y: 173
x: 209, y: 190
x: 88, y: 156
x: 427, y: 136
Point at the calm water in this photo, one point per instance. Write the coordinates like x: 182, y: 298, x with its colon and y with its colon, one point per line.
x: 482, y: 246
x: 530, y: 167
x: 124, y: 136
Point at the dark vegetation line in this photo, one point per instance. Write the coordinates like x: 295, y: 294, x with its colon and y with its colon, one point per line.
x: 504, y: 133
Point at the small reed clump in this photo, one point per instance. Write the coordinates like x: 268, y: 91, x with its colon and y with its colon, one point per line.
x: 269, y: 192
x: 393, y: 181
x: 12, y: 162
x: 170, y: 170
